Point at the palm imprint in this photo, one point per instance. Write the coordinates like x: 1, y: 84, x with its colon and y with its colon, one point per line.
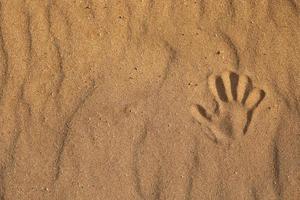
x: 236, y: 99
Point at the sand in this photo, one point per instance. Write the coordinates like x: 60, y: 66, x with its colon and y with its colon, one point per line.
x: 150, y: 99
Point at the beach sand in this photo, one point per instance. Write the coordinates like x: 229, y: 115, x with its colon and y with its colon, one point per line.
x: 150, y: 100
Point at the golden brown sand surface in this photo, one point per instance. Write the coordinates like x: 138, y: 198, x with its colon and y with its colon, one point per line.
x: 149, y: 100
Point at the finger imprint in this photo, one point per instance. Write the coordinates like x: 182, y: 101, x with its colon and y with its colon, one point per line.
x: 254, y: 98
x: 212, y: 86
x: 227, y: 85
x: 200, y: 114
x: 243, y: 88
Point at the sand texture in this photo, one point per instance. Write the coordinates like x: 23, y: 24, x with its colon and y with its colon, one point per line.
x: 149, y: 100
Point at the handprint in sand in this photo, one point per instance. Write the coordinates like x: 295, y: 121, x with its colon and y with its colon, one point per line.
x: 236, y: 99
